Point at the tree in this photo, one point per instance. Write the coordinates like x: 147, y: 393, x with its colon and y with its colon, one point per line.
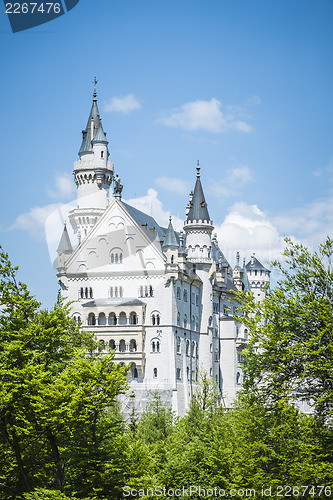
x: 52, y: 393
x: 291, y: 348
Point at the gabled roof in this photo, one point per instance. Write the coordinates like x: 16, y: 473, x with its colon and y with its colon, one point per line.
x: 198, y: 210
x: 170, y: 239
x: 65, y: 243
x: 255, y: 265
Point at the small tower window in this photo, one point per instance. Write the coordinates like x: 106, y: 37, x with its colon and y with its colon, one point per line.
x: 102, y: 154
x: 155, y: 372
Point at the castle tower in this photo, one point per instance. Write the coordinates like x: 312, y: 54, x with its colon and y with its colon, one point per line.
x: 198, y: 229
x: 92, y: 174
x: 198, y: 226
x: 259, y: 277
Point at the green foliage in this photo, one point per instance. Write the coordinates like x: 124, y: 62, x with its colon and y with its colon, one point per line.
x: 55, y: 399
x: 291, y: 350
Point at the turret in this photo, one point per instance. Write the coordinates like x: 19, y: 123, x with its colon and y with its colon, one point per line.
x: 259, y: 277
x: 198, y: 226
x: 92, y: 174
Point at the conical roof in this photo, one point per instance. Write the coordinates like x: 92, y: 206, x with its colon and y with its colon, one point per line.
x: 170, y: 239
x: 100, y: 135
x: 198, y: 210
x: 65, y: 243
x: 93, y: 120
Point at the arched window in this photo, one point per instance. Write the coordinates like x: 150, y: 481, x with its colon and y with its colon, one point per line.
x: 101, y: 319
x: 101, y: 345
x: 238, y: 378
x: 86, y: 292
x: 193, y: 348
x: 172, y: 259
x: 116, y: 256
x: 133, y: 318
x: 187, y: 373
x: 153, y: 346
x: 112, y: 344
x: 197, y: 350
x: 122, y: 346
x: 157, y: 319
x: 134, y: 370
x: 102, y: 154
x: 185, y: 296
x: 178, y: 318
x: 112, y: 320
x: 185, y: 321
x: 246, y: 332
x: 187, y: 347
x: 91, y: 319
x: 158, y: 346
x: 133, y: 347
x: 178, y: 345
x: 77, y: 318
x: 122, y: 319
x: 153, y: 319
x: 91, y: 292
x: 151, y: 291
x: 155, y: 372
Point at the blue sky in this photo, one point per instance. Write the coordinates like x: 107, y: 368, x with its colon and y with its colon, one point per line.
x: 243, y: 86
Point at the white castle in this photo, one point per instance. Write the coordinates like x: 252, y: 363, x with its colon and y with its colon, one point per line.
x: 163, y: 301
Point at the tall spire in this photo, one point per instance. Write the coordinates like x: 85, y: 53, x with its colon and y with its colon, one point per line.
x: 198, y: 210
x: 93, y: 125
x: 65, y: 243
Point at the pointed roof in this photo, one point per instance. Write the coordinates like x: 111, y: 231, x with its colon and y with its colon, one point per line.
x: 100, y: 135
x: 255, y: 264
x: 198, y: 210
x: 89, y: 134
x: 170, y: 239
x: 65, y: 243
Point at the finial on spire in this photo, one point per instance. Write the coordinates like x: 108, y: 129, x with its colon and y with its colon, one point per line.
x: 170, y: 218
x: 198, y: 169
x: 237, y: 258
x: 95, y: 82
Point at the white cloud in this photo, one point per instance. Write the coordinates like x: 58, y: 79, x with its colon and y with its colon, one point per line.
x: 63, y: 186
x: 327, y: 170
x: 34, y: 221
x: 173, y: 184
x: 310, y: 223
x: 247, y: 229
x: 205, y: 115
x: 151, y: 205
x: 124, y: 104
x: 233, y: 182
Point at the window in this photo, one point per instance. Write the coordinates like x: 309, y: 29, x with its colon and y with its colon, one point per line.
x: 197, y: 350
x: 185, y: 321
x: 238, y: 378
x: 197, y: 300
x: 215, y: 307
x: 178, y: 318
x: 155, y: 345
x: 112, y: 320
x: 116, y: 291
x: 122, y: 346
x: 178, y: 292
x: 91, y: 319
x: 102, y: 154
x: 155, y: 318
x: 178, y: 374
x: 77, y: 318
x: 155, y: 372
x: 133, y: 347
x: 101, y: 345
x: 185, y: 296
x: 193, y: 348
x: 116, y: 256
x: 178, y: 345
x: 101, y: 319
x: 172, y: 259
x: 246, y: 332
x: 240, y: 358
x: 85, y: 293
x: 112, y: 344
x: 133, y: 319
x: 187, y: 347
x: 187, y: 373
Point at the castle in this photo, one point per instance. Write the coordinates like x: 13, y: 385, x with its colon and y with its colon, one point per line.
x: 163, y: 301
